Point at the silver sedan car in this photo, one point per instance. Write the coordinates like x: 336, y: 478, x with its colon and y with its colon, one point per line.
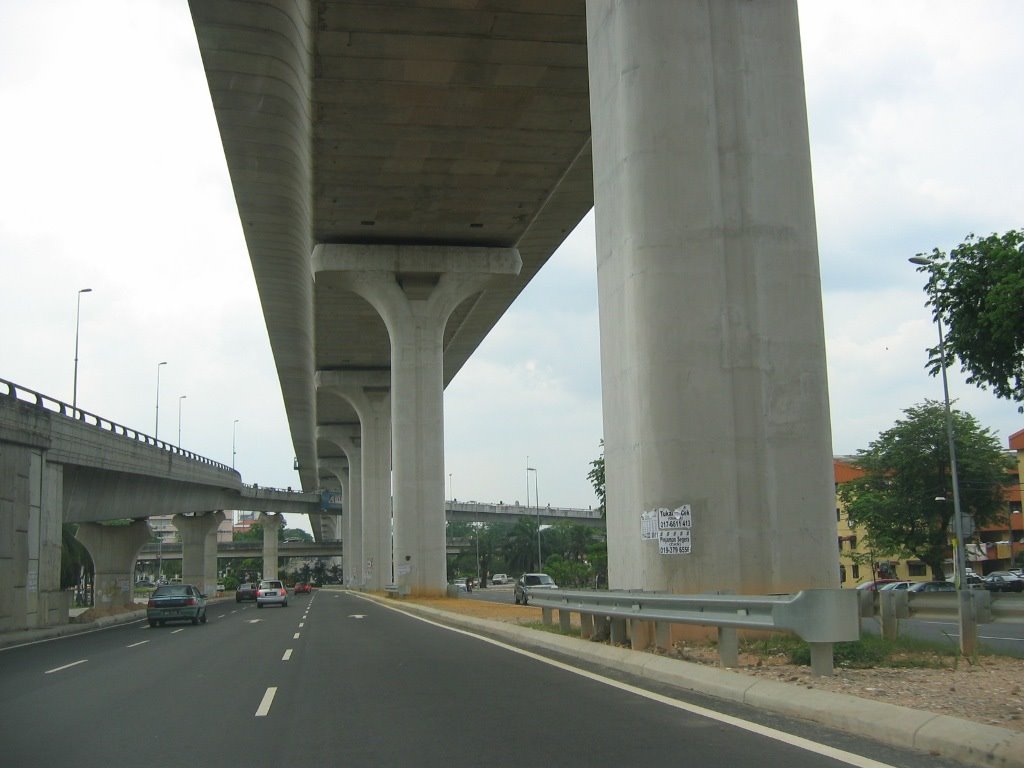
x: 271, y: 592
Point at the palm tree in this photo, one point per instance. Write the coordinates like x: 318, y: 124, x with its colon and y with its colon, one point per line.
x: 521, y: 546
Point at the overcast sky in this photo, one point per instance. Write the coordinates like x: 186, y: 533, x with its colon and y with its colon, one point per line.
x: 112, y: 178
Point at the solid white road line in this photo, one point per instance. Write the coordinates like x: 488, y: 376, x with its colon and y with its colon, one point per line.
x: 268, y: 699
x: 66, y: 666
x: 136, y: 645
x: 786, y: 738
x: 287, y: 655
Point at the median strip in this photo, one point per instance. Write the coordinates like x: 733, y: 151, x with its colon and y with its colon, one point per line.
x: 66, y: 666
x: 268, y: 699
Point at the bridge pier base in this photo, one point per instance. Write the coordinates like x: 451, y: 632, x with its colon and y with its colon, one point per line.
x: 709, y: 295
x: 416, y: 289
x: 348, y: 438
x: 31, y: 519
x: 368, y: 557
x: 114, y: 550
x: 271, y: 525
x: 199, y: 549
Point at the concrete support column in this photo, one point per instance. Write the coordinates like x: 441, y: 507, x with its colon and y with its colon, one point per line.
x: 271, y: 525
x: 348, y: 438
x: 712, y: 340
x: 334, y: 475
x: 31, y: 520
x: 369, y: 393
x: 415, y: 289
x: 199, y: 549
x: 114, y: 550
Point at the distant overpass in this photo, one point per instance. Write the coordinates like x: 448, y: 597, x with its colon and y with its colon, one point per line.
x: 172, y: 551
x: 478, y: 512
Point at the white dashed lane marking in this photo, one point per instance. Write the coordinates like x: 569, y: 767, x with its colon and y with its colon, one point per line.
x: 66, y: 666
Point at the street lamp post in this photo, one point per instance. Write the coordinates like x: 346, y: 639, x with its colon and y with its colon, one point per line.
x: 965, y: 616
x: 234, y: 428
x: 156, y: 426
x: 78, y: 317
x: 536, y: 495
x: 180, y: 398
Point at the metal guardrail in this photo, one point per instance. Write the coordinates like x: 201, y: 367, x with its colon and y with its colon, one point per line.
x: 891, y: 605
x: 45, y: 402
x: 822, y: 617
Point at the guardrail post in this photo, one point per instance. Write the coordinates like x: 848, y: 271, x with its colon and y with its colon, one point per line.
x: 564, y: 619
x: 586, y: 626
x: 662, y: 635
x: 821, y: 659
x: 618, y: 631
x: 639, y: 634
x: 728, y: 647
x: 546, y: 616
x: 602, y: 630
x: 887, y: 610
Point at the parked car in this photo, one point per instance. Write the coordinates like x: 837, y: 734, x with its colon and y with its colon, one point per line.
x: 996, y: 583
x: 144, y: 584
x: 532, y: 581
x: 302, y: 588
x: 271, y: 592
x: 896, y: 585
x: 246, y: 591
x: 875, y: 585
x: 501, y: 578
x: 932, y: 586
x: 176, y: 602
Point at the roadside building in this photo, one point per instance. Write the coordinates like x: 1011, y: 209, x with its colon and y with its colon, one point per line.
x: 988, y: 549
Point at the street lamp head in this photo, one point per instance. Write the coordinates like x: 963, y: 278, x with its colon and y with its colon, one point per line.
x: 920, y: 261
x: 85, y: 290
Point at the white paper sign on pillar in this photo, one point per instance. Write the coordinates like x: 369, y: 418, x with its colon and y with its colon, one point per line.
x: 674, y: 542
x: 649, y: 525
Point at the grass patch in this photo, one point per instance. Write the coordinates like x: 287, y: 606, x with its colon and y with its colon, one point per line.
x: 866, y: 653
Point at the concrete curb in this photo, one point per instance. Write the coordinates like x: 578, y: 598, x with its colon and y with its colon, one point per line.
x: 949, y: 737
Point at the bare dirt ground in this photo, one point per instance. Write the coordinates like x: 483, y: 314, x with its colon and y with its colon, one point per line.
x: 990, y: 691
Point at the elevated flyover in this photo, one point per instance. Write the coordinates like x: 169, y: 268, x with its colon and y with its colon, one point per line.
x: 403, y: 169
x: 60, y: 464
x: 113, y: 472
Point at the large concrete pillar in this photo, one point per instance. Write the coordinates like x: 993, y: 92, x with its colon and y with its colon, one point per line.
x: 415, y: 289
x: 347, y: 437
x: 334, y: 474
x: 712, y: 340
x: 369, y: 393
x: 31, y: 520
x: 271, y: 525
x: 199, y: 549
x: 114, y: 550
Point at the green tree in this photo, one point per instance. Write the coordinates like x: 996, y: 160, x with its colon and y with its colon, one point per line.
x: 596, y: 477
x: 904, y: 501
x: 521, y: 546
x: 977, y: 291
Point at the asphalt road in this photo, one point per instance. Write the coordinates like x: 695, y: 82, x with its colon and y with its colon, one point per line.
x: 338, y: 680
